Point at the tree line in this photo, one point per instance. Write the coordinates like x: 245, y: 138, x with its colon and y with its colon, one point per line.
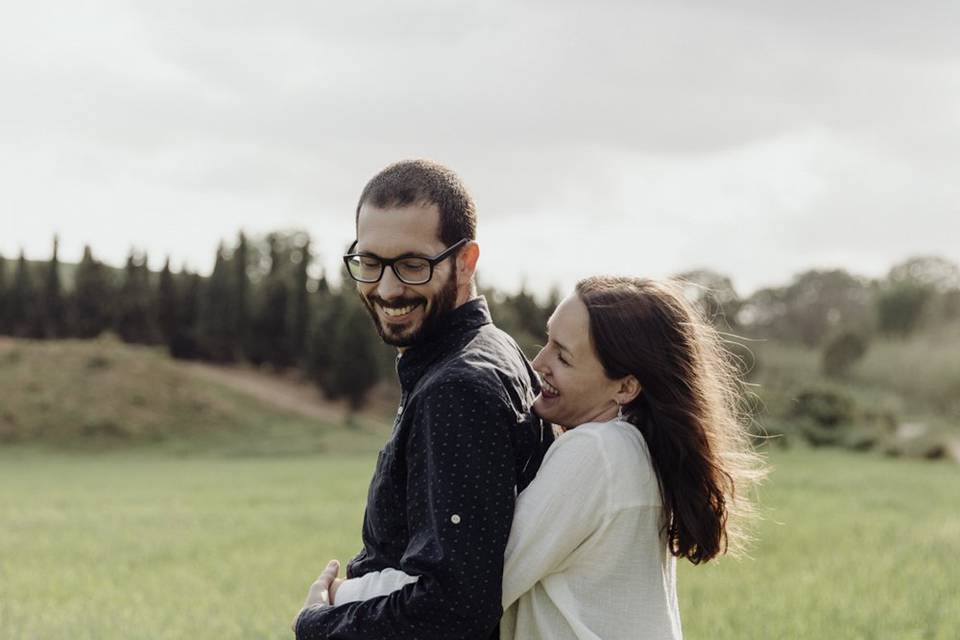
x: 260, y: 305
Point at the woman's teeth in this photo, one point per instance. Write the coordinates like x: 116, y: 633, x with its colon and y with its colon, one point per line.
x: 549, y: 388
x: 394, y: 312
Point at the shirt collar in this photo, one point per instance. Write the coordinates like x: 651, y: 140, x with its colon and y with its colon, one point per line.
x: 445, y: 336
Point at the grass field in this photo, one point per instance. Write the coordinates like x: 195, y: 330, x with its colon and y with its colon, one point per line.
x: 134, y: 545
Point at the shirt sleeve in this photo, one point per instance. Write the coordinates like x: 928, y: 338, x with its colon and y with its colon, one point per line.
x: 559, y: 511
x: 460, y: 498
x: 372, y: 585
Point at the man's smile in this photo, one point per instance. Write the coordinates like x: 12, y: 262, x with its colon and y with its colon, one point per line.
x: 398, y: 312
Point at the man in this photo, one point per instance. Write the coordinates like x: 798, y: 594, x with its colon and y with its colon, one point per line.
x: 441, y: 500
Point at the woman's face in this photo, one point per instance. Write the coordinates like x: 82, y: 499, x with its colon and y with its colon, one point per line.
x: 575, y: 388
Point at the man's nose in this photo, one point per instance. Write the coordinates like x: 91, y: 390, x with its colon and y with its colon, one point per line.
x: 389, y: 287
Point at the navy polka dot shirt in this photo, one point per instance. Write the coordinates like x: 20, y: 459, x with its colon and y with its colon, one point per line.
x: 441, y: 500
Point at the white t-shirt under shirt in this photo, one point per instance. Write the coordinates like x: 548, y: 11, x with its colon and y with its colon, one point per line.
x: 585, y: 558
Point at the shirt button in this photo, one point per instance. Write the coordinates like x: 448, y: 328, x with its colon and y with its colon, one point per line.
x: 455, y: 519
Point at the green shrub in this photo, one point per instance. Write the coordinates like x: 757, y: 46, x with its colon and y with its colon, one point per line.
x: 842, y: 352
x: 828, y: 408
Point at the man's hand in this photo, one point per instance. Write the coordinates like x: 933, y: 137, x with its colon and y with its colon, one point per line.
x: 322, y: 590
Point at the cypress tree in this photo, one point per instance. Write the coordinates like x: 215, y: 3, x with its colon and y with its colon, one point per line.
x: 241, y: 296
x: 51, y: 306
x: 353, y: 367
x: 215, y: 322
x: 322, y: 328
x: 23, y: 304
x: 166, y: 305
x: 90, y: 301
x: 184, y: 343
x: 134, y: 320
x: 300, y: 311
x: 4, y: 303
x: 271, y: 327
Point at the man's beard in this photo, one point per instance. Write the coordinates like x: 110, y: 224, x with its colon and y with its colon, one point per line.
x: 445, y: 300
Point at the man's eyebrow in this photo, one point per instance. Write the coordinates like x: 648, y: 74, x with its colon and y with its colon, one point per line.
x: 408, y: 254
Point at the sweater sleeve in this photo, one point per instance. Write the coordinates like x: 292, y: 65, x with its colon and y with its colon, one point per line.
x: 459, y: 505
x: 559, y: 511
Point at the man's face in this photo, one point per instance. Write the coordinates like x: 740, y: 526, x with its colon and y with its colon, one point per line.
x: 402, y: 311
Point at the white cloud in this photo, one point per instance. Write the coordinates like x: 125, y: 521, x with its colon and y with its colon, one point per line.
x: 755, y: 138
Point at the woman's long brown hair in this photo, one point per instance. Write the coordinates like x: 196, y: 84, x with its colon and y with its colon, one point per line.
x: 687, y: 409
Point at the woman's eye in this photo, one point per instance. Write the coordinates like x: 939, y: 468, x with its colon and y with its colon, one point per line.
x: 561, y: 359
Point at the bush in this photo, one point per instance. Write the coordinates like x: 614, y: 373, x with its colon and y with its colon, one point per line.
x: 842, y: 352
x: 823, y: 407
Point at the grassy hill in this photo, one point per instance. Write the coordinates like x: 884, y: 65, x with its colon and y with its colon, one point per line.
x: 105, y: 394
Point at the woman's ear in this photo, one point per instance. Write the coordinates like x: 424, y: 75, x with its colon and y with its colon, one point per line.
x: 629, y: 389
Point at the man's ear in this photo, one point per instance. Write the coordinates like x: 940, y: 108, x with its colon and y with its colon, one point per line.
x: 467, y: 261
x: 629, y: 389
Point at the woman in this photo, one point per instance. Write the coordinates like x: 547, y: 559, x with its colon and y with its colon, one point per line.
x: 654, y: 464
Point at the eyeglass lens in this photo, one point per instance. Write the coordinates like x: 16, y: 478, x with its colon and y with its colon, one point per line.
x: 409, y: 270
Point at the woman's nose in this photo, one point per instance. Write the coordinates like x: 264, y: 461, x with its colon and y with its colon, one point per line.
x: 537, y: 362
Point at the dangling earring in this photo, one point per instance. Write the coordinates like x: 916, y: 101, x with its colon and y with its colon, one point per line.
x: 619, y: 411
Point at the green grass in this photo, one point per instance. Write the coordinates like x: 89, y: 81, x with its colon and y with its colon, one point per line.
x: 851, y: 546
x: 132, y: 545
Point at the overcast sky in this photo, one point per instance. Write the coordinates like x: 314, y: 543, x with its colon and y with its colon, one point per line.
x: 755, y: 138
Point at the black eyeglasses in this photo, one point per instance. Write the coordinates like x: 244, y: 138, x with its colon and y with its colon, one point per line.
x: 409, y: 268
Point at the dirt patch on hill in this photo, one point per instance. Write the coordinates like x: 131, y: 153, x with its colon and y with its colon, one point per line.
x: 282, y: 391
x: 290, y: 392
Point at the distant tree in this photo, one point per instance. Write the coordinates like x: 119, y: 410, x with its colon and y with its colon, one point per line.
x: 323, y: 328
x: 52, y: 309
x: 134, y: 320
x: 241, y: 295
x: 354, y: 367
x: 4, y: 303
x: 166, y: 304
x: 522, y: 316
x: 216, y: 325
x: 529, y: 313
x: 900, y: 307
x: 923, y: 290
x: 300, y: 304
x: 91, y: 298
x: 950, y: 305
x: 842, y: 352
x: 184, y: 343
x: 713, y: 294
x: 24, y: 320
x: 323, y: 285
x: 937, y: 273
x: 815, y: 305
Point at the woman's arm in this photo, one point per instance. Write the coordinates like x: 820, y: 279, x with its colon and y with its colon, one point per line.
x: 557, y: 512
x: 372, y: 585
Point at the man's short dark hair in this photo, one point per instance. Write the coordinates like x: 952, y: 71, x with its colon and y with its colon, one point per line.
x: 425, y: 182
